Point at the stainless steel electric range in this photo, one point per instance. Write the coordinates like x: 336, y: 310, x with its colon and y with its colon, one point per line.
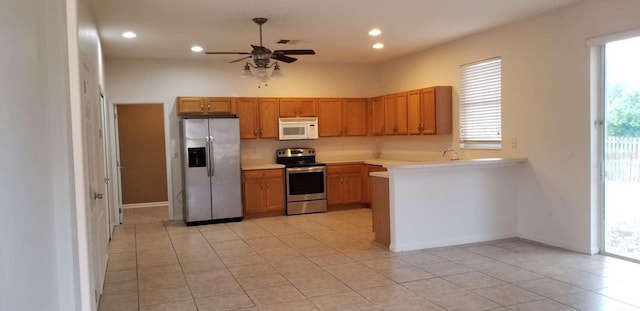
x: 305, y: 180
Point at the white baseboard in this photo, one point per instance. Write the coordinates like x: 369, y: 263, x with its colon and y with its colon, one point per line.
x: 148, y: 204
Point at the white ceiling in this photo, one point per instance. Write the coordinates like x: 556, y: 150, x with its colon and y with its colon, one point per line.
x: 335, y: 29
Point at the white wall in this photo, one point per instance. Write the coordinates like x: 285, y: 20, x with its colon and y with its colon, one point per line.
x: 38, y: 257
x: 546, y: 106
x: 162, y: 80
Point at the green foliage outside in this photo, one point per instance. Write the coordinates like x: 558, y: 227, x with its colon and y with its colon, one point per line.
x: 623, y: 112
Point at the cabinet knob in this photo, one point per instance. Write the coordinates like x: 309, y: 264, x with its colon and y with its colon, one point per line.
x: 208, y: 107
x: 261, y: 132
x: 202, y: 107
x: 255, y: 132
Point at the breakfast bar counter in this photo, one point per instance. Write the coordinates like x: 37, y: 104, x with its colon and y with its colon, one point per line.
x: 443, y: 203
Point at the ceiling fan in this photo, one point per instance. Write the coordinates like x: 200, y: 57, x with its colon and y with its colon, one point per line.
x: 262, y: 55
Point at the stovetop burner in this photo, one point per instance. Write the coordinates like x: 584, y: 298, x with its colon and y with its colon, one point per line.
x: 297, y: 157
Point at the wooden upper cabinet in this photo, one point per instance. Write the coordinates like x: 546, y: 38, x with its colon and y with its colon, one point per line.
x: 414, y: 112
x: 330, y: 117
x: 205, y: 105
x: 395, y: 114
x: 377, y: 116
x: 190, y: 105
x: 436, y: 110
x: 219, y: 105
x: 342, y: 117
x: 258, y: 117
x: 354, y: 117
x: 298, y: 107
x: 268, y: 117
x: 247, y: 109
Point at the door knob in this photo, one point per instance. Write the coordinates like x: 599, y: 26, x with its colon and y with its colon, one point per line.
x: 97, y: 196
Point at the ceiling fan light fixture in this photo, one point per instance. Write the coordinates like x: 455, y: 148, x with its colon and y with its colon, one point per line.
x: 375, y: 32
x: 277, y: 73
x: 378, y: 46
x: 197, y: 49
x: 246, y: 72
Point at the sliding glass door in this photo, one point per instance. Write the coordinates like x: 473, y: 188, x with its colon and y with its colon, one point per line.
x: 622, y: 149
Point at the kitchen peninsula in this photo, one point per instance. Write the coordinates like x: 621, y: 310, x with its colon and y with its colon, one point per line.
x: 442, y: 203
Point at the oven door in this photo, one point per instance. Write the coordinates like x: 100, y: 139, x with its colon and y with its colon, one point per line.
x: 306, y: 183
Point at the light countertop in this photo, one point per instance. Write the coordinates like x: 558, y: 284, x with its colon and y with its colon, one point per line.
x: 261, y: 166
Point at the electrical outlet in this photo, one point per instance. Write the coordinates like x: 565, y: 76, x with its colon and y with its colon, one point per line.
x: 514, y: 143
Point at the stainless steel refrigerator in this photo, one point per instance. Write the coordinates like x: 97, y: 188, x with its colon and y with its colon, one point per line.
x: 211, y: 170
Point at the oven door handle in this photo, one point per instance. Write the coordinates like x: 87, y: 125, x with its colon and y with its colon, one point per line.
x: 298, y: 170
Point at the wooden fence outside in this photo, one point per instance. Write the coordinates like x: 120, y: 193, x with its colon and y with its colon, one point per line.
x: 622, y: 158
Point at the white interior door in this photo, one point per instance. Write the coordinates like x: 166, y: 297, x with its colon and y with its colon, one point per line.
x: 94, y: 162
x: 622, y: 149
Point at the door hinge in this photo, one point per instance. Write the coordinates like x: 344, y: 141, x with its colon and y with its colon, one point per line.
x: 120, y: 210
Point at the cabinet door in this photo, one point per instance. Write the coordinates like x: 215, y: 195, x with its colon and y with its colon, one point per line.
x: 443, y: 99
x: 428, y: 97
x: 377, y: 116
x: 248, y: 115
x: 218, y: 105
x: 191, y: 105
x: 401, y: 113
x: 352, y: 188
x: 275, y: 194
x: 329, y: 117
x: 414, y: 118
x: 334, y: 189
x: 390, y: 125
x: 308, y: 107
x: 268, y: 117
x: 254, y: 198
x: 354, y: 117
x: 289, y: 107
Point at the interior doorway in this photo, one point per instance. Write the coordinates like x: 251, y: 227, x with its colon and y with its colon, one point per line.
x: 621, y: 223
x: 142, y: 162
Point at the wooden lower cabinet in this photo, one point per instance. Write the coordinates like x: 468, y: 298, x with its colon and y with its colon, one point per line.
x: 380, y: 209
x: 263, y: 192
x: 344, y: 184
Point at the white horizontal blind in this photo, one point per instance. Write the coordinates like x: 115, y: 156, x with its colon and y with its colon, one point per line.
x: 481, y: 104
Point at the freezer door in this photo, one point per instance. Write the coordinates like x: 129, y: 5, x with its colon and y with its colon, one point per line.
x: 197, y: 183
x: 226, y: 187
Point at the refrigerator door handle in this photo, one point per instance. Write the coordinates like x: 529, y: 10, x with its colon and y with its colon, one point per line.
x: 212, y: 158
x: 207, y: 150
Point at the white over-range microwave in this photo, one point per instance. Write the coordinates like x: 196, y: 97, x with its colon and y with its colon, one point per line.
x: 298, y: 128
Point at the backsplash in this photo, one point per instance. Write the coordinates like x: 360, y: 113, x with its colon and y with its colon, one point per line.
x: 407, y: 148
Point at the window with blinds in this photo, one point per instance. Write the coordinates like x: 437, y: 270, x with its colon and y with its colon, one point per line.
x: 481, y: 104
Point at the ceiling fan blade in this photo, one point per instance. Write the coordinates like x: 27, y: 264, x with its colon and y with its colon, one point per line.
x: 235, y: 53
x: 239, y: 59
x: 295, y: 52
x: 283, y: 58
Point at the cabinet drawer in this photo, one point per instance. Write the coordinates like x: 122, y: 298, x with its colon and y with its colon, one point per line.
x: 344, y: 168
x: 255, y: 174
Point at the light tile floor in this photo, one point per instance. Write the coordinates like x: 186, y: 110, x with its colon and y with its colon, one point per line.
x: 329, y: 262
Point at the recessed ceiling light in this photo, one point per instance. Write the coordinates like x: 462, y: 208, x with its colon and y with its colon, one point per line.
x: 375, y: 32
x: 129, y: 34
x: 378, y: 45
x: 197, y: 48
